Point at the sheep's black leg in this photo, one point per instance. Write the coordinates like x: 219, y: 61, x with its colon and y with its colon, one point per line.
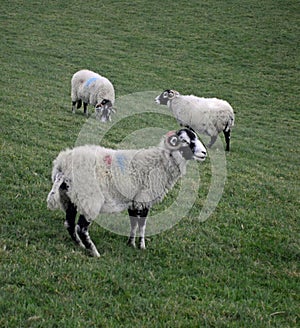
x: 227, y: 138
x: 212, y: 141
x: 85, y: 108
x: 71, y: 213
x: 133, y: 225
x: 137, y: 219
x: 83, y: 233
x: 73, y: 106
x: 79, y: 103
x: 142, y: 227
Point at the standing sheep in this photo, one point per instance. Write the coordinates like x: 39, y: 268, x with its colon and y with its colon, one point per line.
x: 92, y: 180
x: 204, y: 115
x: 91, y: 88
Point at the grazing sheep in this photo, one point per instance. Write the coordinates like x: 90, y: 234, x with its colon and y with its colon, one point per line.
x: 204, y: 115
x: 91, y: 88
x: 92, y: 180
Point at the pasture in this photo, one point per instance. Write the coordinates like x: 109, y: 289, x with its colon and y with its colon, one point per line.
x: 239, y: 268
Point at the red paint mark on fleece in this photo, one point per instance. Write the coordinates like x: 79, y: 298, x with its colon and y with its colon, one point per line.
x: 170, y: 133
x: 107, y: 160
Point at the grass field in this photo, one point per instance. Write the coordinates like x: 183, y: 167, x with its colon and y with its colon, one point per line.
x: 240, y: 268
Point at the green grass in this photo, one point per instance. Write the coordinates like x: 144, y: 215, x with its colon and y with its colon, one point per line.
x: 240, y: 268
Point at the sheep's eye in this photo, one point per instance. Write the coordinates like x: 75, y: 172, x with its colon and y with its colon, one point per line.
x: 165, y: 94
x: 171, y: 94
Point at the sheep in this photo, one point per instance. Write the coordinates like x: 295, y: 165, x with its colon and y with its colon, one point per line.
x: 93, y: 180
x: 91, y: 88
x: 205, y: 115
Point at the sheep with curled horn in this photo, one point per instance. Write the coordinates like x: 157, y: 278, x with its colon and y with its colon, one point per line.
x: 93, y: 180
x: 208, y: 116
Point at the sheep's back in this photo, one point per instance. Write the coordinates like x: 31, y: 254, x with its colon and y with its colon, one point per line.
x: 80, y: 77
x: 205, y: 115
x: 106, y: 180
x: 101, y: 89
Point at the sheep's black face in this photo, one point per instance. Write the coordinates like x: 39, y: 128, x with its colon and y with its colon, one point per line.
x: 192, y: 147
x: 104, y: 110
x: 167, y: 95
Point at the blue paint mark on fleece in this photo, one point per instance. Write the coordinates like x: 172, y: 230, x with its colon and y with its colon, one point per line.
x: 90, y: 81
x: 121, y: 162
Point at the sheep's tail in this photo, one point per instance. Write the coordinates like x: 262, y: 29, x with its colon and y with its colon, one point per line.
x: 53, y: 199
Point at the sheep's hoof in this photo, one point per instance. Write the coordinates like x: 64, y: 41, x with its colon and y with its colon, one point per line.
x: 131, y: 242
x: 142, y: 243
x: 94, y: 253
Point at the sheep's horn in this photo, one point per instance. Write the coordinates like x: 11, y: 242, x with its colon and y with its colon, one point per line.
x: 175, y: 93
x: 172, y: 141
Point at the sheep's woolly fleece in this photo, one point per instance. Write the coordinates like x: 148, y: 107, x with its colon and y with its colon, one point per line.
x: 91, y: 88
x: 205, y: 115
x: 101, y: 180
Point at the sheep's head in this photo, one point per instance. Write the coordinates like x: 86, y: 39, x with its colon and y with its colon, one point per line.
x: 187, y: 143
x: 104, y: 110
x: 167, y: 95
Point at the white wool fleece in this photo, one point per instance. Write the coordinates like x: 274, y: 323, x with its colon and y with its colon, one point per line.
x: 91, y: 87
x: 205, y: 115
x: 101, y: 180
